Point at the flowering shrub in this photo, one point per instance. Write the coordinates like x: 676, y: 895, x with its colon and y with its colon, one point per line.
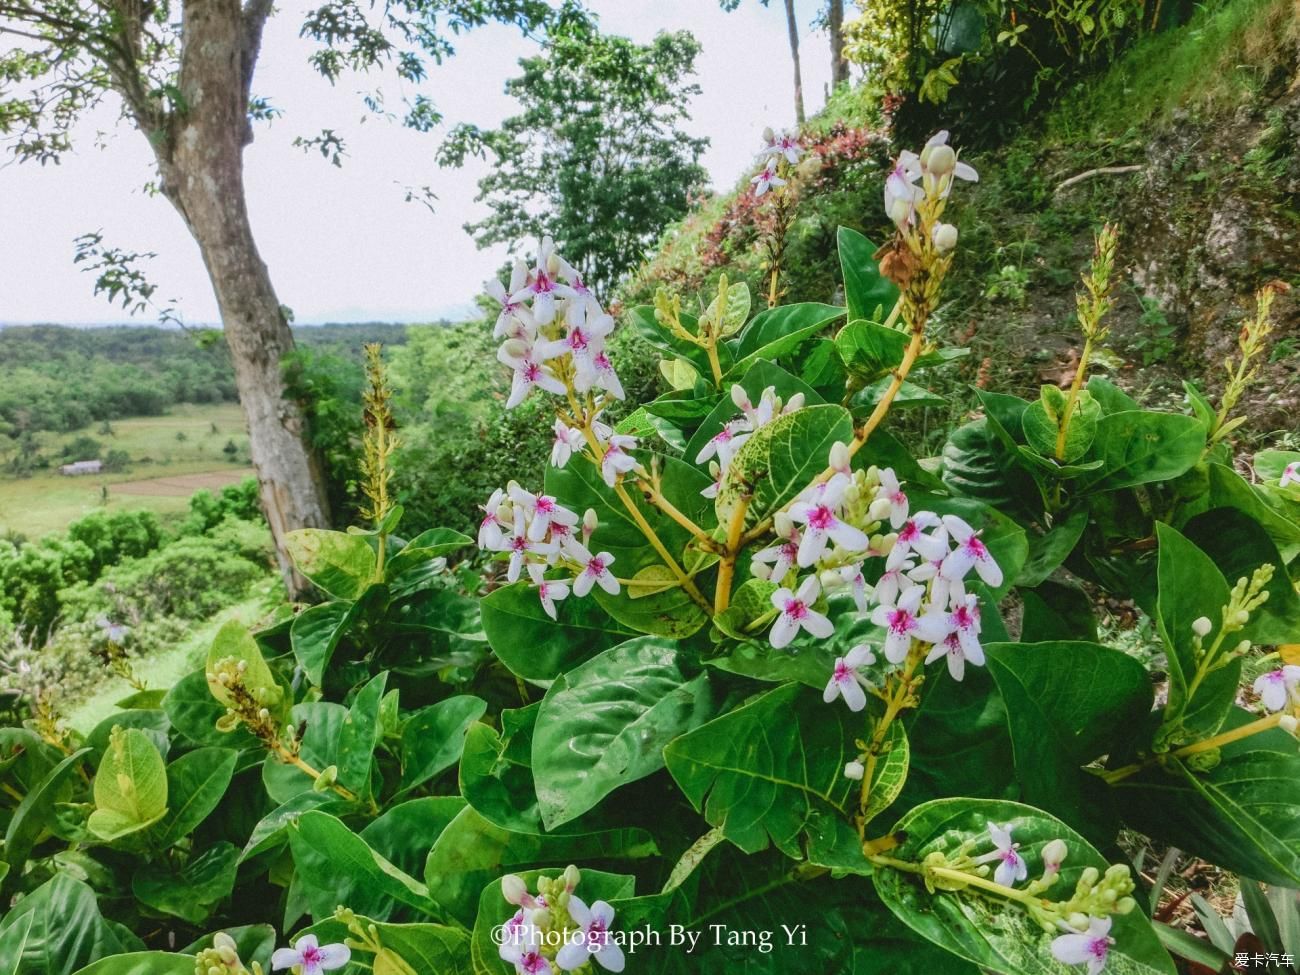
x: 761, y: 690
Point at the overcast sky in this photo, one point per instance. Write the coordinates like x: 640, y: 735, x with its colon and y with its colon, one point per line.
x: 341, y: 244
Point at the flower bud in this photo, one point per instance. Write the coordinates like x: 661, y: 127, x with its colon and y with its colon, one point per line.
x: 880, y: 509
x: 1241, y: 647
x: 794, y: 403
x: 761, y: 570
x: 1078, y: 921
x: 589, y: 521
x: 855, y: 771
x: 514, y: 348
x: 839, y: 456
x: 740, y: 398
x: 1288, y: 724
x: 514, y: 889
x: 945, y: 237
x: 1088, y: 879
x: 1054, y: 853
x: 941, y: 160
x: 1125, y: 905
x: 571, y: 877
x: 1201, y: 626
x: 541, y: 917
x: 783, y: 523
x: 326, y: 779
x: 1241, y: 617
x: 768, y: 135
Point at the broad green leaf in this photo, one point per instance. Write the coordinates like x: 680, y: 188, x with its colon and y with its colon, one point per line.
x: 1191, y: 586
x: 271, y: 831
x: 196, y: 783
x: 471, y: 852
x: 1138, y: 447
x: 1238, y: 545
x: 750, y: 610
x: 149, y: 700
x: 975, y: 466
x: 780, y: 460
x: 774, y: 332
x: 758, y: 378
x: 433, y: 738
x: 130, y: 786
x: 64, y: 930
x: 315, y: 633
x: 142, y: 963
x: 890, y: 773
x: 35, y: 814
x: 192, y: 892
x: 997, y: 936
x: 644, y: 320
x: 1241, y: 814
x: 1043, y: 418
x: 773, y: 772
x: 193, y: 711
x: 1047, y: 551
x: 605, y: 723
x: 867, y: 292
x: 909, y: 396
x: 668, y: 612
x: 234, y: 644
x: 360, y: 736
x: 1057, y: 611
x: 335, y: 866
x: 153, y: 723
x: 496, y: 774
x: 737, y: 310
x: 341, y: 564
x: 319, y: 748
x: 406, y: 831
x: 436, y: 949
x: 534, y: 646
x: 1279, y: 516
x: 1068, y: 702
x: 1110, y: 397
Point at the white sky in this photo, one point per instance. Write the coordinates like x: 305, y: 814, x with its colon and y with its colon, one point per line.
x: 341, y: 244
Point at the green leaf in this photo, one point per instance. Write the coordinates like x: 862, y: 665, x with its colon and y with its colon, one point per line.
x: 750, y: 610
x: 891, y: 771
x: 669, y: 612
x: 64, y: 930
x: 315, y: 633
x: 1279, y: 516
x: 196, y: 784
x: 341, y: 564
x: 975, y: 466
x: 319, y: 748
x: 434, y: 542
x: 471, y: 852
x: 534, y: 646
x: 193, y: 892
x: 1186, y: 945
x: 1110, y: 397
x: 1042, y: 422
x: 774, y: 332
x: 271, y: 831
x: 193, y: 711
x: 1139, y: 447
x: 1191, y: 586
x: 867, y: 292
x: 647, y: 325
x: 987, y: 931
x: 760, y: 376
x: 496, y: 774
x: 360, y: 736
x: 35, y: 813
x: 1239, y: 815
x: 404, y: 833
x: 780, y: 460
x: 130, y: 786
x: 235, y: 644
x: 1237, y: 544
x: 1068, y: 702
x: 1057, y: 611
x: 142, y: 963
x: 737, y: 310
x: 605, y: 723
x: 773, y: 772
x: 1047, y: 551
x: 425, y: 948
x: 333, y: 866
x: 434, y: 737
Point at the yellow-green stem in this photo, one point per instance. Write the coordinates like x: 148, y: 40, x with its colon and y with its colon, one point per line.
x: 894, y: 705
x: 1217, y: 741
x: 1073, y: 398
x: 727, y: 568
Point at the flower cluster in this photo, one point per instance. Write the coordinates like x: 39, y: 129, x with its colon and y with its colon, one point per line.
x: 929, y: 173
x: 777, y: 147
x: 722, y: 446
x: 555, y: 928
x: 554, y: 330
x: 538, y: 533
x: 920, y: 598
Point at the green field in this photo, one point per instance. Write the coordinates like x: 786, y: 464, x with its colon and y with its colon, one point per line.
x: 166, y: 452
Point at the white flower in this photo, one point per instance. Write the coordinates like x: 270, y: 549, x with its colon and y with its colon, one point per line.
x: 817, y: 513
x: 970, y: 552
x: 891, y: 491
x: 854, y: 770
x: 905, y: 622
x: 1012, y: 869
x: 490, y: 534
x: 542, y: 288
x: 939, y: 159
x: 891, y: 583
x: 581, y: 343
x: 309, y: 957
x: 520, y: 546
x: 962, y: 642
x: 782, y: 144
x: 617, y: 460
x: 606, y: 378
x: 797, y: 613
x: 521, y: 947
x: 1277, y: 687
x: 1290, y: 475
x: 782, y: 558
x: 851, y: 576
x: 549, y: 592
x: 724, y: 443
x: 912, y: 538
x: 594, y: 942
x: 528, y: 374
x: 944, y: 236
x: 846, y: 681
x: 567, y: 440
x: 513, y: 313
x: 766, y: 179
x: 596, y: 571
x: 901, y: 196
x: 1090, y: 948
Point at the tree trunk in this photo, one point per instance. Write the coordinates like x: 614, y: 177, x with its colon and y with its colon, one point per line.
x: 839, y: 63
x: 793, y: 26
x: 201, y: 163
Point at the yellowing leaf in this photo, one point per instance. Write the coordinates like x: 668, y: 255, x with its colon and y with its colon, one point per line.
x: 130, y: 787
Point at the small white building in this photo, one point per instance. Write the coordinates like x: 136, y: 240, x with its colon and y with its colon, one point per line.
x: 82, y: 467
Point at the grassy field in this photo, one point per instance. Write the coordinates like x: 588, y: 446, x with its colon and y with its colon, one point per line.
x: 166, y: 453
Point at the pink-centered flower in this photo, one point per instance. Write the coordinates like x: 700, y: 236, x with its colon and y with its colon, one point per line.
x: 522, y: 947
x: 962, y: 642
x: 777, y: 560
x: 514, y: 318
x: 892, y: 491
x: 797, y: 614
x: 567, y: 440
x: 1290, y: 474
x: 542, y: 511
x: 847, y: 681
x: 491, y: 530
x: 596, y: 572
x: 1090, y: 948
x: 529, y: 374
x: 724, y: 443
x: 913, y: 537
x: 1277, y: 687
x: 543, y: 287
x: 783, y: 144
x: 520, y: 546
x: 592, y: 939
x: 617, y: 460
x: 766, y: 179
x: 549, y: 591
x: 905, y: 622
x: 818, y: 513
x: 309, y: 957
x: 1011, y: 867
x: 970, y: 552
